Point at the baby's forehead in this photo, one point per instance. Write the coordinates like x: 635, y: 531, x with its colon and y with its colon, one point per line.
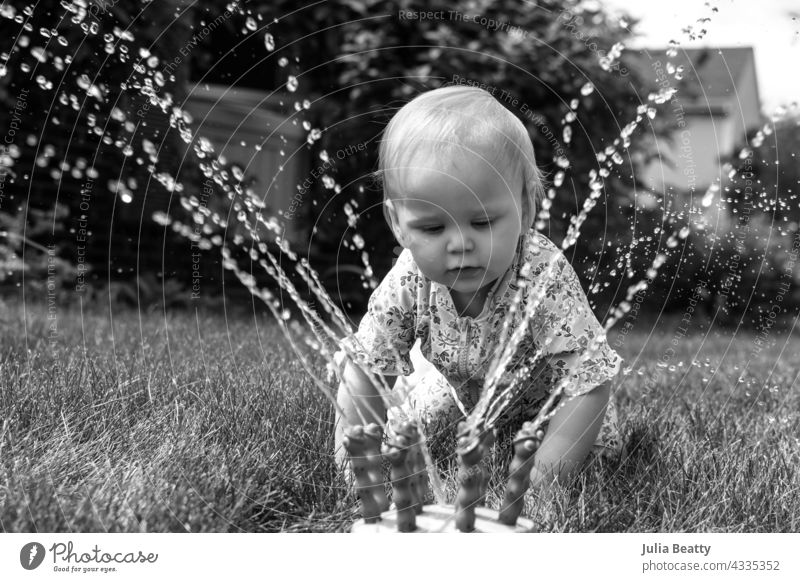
x: 472, y: 184
x: 450, y: 161
x: 422, y: 169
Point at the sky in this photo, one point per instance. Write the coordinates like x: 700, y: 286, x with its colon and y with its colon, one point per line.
x: 771, y: 27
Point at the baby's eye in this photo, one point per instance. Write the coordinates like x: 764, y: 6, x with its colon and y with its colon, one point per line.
x: 431, y: 228
x: 482, y: 223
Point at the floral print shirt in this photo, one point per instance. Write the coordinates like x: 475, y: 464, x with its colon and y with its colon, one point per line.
x: 408, y: 306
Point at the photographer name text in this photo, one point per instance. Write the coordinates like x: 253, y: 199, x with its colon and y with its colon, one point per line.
x: 657, y: 548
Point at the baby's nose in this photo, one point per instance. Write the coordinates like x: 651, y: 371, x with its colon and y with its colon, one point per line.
x: 460, y: 243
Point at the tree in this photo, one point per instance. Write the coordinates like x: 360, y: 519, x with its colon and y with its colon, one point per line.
x: 553, y: 64
x: 362, y: 60
x: 78, y: 154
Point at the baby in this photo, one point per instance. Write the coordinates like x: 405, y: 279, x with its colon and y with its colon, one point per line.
x: 460, y: 191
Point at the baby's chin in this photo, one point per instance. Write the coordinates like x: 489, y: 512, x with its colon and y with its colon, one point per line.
x: 470, y: 282
x: 467, y: 280
x: 469, y: 287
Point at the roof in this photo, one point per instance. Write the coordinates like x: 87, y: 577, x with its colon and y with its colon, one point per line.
x: 717, y: 72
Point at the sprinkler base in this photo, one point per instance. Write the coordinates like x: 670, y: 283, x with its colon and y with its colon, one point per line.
x: 442, y: 519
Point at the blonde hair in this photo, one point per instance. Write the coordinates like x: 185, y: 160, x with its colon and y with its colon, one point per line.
x: 441, y: 121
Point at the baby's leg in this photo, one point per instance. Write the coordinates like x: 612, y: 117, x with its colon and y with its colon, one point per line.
x: 608, y: 444
x: 428, y: 398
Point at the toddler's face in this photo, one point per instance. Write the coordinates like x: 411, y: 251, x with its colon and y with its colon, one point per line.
x: 461, y: 221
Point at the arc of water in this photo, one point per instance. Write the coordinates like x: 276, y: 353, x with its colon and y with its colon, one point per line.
x: 391, y: 399
x: 489, y: 407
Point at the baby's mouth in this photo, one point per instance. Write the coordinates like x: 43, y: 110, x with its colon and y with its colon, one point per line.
x: 465, y: 271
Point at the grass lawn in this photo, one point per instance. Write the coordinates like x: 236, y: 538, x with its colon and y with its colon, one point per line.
x: 202, y: 422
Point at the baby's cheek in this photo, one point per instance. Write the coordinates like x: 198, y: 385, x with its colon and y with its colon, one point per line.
x: 498, y: 244
x: 421, y: 257
x: 430, y: 264
x: 503, y: 248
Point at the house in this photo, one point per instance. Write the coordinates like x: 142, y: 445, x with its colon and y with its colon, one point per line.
x: 251, y: 131
x: 714, y: 109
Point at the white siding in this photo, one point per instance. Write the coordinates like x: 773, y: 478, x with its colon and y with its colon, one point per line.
x: 236, y: 121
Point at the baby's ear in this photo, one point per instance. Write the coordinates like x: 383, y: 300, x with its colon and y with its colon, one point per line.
x: 391, y: 215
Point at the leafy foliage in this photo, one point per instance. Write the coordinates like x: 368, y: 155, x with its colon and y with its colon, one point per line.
x: 362, y: 60
x: 28, y: 258
x: 73, y: 82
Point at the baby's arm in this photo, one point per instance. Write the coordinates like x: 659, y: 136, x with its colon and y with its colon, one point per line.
x: 570, y: 436
x: 360, y: 403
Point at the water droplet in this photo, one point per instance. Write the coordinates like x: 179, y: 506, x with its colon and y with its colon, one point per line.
x: 291, y: 84
x: 283, y: 61
x: 39, y: 54
x: 672, y: 51
x: 269, y: 42
x: 587, y: 89
x: 664, y: 95
x: 313, y: 136
x: 250, y: 23
x: 44, y: 83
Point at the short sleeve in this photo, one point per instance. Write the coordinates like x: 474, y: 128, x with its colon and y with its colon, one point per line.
x: 575, y: 343
x: 387, y: 332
